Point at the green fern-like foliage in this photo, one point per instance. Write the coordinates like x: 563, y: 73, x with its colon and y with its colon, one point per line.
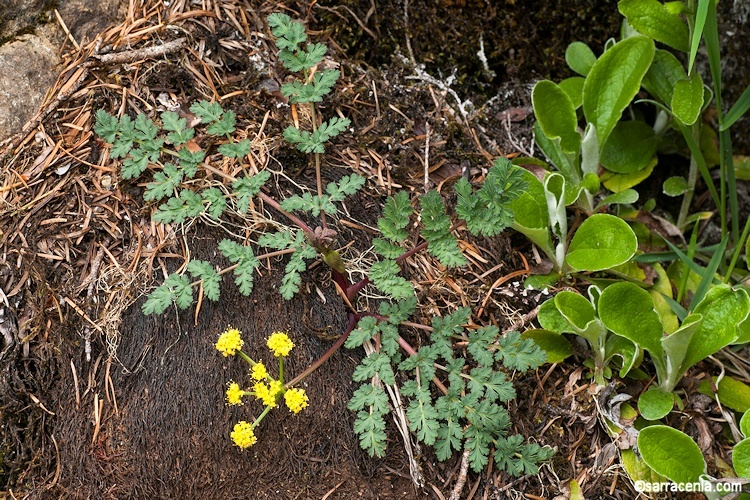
x: 471, y: 416
x: 244, y: 258
x: 297, y: 262
x: 487, y: 211
x: 335, y: 192
x: 436, y: 230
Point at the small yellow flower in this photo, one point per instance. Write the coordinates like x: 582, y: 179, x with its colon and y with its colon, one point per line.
x: 280, y: 344
x: 268, y: 392
x: 243, y: 435
x: 230, y: 342
x: 258, y: 372
x: 295, y: 400
x: 234, y: 394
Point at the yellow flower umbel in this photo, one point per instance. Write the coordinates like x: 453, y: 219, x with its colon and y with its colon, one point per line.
x: 280, y: 344
x: 258, y: 372
x: 234, y: 394
x: 230, y: 342
x: 268, y: 392
x: 243, y: 435
x: 295, y: 400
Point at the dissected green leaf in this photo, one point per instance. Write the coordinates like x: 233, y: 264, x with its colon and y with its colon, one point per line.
x: 188, y: 205
x: 247, y: 187
x: 164, y: 184
x: 211, y: 279
x: 245, y: 260
x: 436, y: 230
x: 208, y: 112
x: 106, y: 126
x: 395, y: 218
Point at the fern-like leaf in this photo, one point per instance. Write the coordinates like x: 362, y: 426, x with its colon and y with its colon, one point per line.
x: 211, y: 279
x: 436, y: 230
x: 188, y: 205
x: 164, y: 184
x: 216, y: 201
x: 289, y: 33
x: 384, y: 276
x: 176, y: 288
x: 247, y: 187
x: 517, y: 353
x: 246, y: 262
x: 395, y: 218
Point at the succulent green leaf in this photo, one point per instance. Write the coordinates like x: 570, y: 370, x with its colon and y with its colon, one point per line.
x: 630, y: 147
x: 665, y: 71
x: 530, y: 213
x: 580, y: 58
x: 573, y: 86
x: 603, y: 241
x: 652, y: 18
x: 628, y: 310
x: 613, y: 82
x: 575, y: 308
x: 741, y: 458
x: 556, y: 114
x: 556, y: 346
x: 675, y: 186
x: 626, y: 197
x: 687, y: 99
x: 655, y: 403
x: 745, y: 424
x: 723, y: 309
x: 671, y: 453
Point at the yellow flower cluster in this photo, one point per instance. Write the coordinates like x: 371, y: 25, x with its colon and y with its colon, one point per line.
x: 258, y: 372
x: 280, y: 344
x: 234, y: 394
x: 295, y: 400
x: 268, y: 392
x: 230, y: 342
x: 243, y: 435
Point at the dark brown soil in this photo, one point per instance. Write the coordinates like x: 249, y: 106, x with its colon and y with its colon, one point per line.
x: 146, y: 418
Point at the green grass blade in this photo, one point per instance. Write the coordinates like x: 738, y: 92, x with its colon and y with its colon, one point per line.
x: 708, y: 274
x: 737, y: 250
x: 680, y: 311
x: 740, y: 108
x: 700, y: 22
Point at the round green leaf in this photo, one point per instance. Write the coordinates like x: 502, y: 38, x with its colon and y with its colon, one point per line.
x: 741, y: 458
x: 603, y: 241
x: 580, y: 58
x: 671, y: 453
x: 655, y: 403
x: 555, y: 345
x: 675, y: 186
x: 573, y: 86
x: 551, y: 319
x: 575, y: 308
x: 613, y: 81
x: 630, y: 147
x: 745, y: 424
x: 628, y: 310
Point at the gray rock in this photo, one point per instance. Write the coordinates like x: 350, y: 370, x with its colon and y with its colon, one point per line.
x: 27, y: 71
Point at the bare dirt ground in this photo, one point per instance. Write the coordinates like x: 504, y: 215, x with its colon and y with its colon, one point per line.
x: 145, y: 417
